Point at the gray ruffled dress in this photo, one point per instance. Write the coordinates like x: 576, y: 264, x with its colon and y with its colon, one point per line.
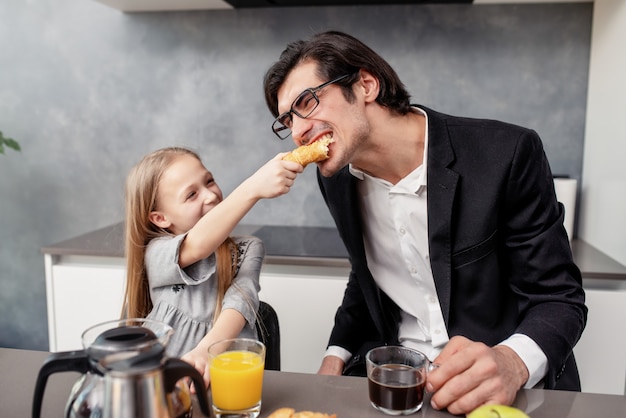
x: 186, y: 298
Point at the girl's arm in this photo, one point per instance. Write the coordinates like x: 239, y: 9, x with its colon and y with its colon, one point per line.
x: 228, y: 325
x: 273, y: 179
x: 239, y: 306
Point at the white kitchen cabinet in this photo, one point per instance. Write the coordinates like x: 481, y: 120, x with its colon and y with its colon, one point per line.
x: 81, y: 292
x: 86, y: 290
x: 305, y: 299
x: 600, y: 353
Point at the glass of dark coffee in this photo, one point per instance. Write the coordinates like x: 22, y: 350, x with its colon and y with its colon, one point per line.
x: 396, y: 379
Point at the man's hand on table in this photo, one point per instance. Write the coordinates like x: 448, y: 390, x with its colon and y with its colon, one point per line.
x: 471, y: 374
x: 331, y: 365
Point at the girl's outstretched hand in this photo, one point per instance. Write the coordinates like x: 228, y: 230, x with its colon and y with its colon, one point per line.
x: 274, y: 178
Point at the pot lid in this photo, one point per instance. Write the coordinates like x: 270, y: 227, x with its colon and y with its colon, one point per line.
x: 126, y: 344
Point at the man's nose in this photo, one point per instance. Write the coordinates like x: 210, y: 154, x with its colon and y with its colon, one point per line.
x: 299, y: 129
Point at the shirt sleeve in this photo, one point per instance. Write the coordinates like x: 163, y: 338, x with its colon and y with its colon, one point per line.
x: 533, y: 357
x: 335, y: 350
x: 163, y: 269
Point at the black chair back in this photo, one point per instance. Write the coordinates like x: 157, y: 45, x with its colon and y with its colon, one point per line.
x: 269, y: 334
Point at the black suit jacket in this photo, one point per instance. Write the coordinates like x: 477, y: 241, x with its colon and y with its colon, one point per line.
x: 499, y: 253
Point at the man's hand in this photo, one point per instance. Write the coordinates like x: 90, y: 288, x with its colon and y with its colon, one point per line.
x: 472, y: 374
x: 331, y: 365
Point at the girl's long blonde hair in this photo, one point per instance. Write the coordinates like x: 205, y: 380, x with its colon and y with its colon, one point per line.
x: 141, y: 192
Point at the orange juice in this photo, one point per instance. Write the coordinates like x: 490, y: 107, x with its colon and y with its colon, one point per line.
x: 236, y: 380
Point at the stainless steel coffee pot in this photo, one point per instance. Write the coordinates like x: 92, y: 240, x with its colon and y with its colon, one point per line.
x: 125, y: 374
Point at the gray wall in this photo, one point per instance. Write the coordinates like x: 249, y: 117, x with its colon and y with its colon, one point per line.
x: 88, y: 90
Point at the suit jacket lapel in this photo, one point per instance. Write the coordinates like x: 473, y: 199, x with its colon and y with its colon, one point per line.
x: 442, y: 183
x: 384, y: 313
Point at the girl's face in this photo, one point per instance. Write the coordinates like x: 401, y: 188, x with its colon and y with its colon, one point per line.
x: 185, y: 193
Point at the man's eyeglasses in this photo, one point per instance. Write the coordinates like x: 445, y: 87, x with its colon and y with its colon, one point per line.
x: 302, y: 107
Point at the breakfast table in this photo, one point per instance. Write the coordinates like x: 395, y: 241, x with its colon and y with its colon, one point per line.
x: 347, y: 397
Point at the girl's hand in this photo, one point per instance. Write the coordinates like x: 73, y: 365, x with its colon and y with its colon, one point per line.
x: 198, y: 358
x: 275, y: 178
x: 228, y: 325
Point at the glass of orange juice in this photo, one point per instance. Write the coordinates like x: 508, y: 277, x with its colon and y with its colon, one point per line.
x: 236, y: 367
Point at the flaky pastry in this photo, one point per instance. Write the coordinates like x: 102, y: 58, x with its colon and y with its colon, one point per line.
x: 311, y: 153
x: 291, y: 413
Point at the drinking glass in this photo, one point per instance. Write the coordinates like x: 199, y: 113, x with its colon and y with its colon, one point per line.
x: 236, y: 368
x: 396, y: 379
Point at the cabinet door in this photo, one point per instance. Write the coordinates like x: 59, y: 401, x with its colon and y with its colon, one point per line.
x: 600, y: 351
x: 305, y: 299
x: 82, y: 296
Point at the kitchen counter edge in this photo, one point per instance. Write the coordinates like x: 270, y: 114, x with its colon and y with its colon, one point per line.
x: 109, y: 242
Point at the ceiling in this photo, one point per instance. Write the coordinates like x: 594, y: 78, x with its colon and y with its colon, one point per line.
x: 293, y: 3
x: 176, y: 5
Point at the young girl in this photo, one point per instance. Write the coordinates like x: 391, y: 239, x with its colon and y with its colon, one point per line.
x: 182, y: 267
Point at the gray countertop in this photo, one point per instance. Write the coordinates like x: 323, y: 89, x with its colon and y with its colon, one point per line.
x: 283, y: 244
x: 345, y: 396
x: 302, y: 245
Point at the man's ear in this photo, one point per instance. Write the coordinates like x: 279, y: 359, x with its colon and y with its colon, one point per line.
x: 159, y: 219
x: 370, y: 85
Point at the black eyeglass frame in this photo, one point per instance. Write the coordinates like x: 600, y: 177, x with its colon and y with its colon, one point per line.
x: 278, y: 126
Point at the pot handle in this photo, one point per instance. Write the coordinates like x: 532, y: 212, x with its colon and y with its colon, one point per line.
x: 66, y: 361
x: 174, y: 370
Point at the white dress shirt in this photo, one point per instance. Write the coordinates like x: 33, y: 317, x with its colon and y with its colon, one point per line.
x: 395, y: 234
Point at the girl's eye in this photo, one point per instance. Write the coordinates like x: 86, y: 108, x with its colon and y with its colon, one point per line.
x: 191, y: 195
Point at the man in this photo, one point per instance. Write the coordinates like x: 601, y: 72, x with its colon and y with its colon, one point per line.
x: 454, y: 234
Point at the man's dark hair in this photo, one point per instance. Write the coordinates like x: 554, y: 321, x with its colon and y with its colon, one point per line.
x: 336, y: 54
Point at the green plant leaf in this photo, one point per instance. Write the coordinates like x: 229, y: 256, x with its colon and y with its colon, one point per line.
x: 12, y: 143
x: 9, y: 142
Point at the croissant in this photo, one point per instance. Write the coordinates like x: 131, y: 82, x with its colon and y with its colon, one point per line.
x: 311, y: 153
x: 291, y: 413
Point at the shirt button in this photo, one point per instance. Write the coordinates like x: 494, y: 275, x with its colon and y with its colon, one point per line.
x: 402, y: 231
x: 432, y: 299
x: 437, y: 331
